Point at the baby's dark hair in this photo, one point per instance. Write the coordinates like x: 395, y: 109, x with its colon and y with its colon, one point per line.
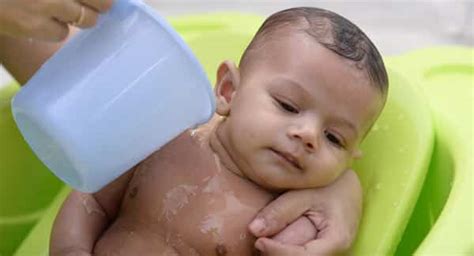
x: 334, y: 32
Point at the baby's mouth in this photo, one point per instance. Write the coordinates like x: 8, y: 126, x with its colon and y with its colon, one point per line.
x: 289, y: 158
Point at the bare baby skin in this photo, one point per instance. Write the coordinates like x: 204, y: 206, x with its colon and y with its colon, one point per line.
x: 183, y: 201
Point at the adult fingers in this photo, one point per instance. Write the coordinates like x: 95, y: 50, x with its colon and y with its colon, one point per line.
x: 76, y: 14
x: 325, y: 247
x: 299, y: 232
x: 280, y: 212
x: 270, y: 247
x: 46, y: 30
x: 334, y: 235
x: 98, y: 5
x: 63, y: 11
x: 320, y: 247
x: 87, y: 17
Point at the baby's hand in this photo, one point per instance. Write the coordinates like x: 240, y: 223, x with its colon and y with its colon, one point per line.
x: 328, y: 217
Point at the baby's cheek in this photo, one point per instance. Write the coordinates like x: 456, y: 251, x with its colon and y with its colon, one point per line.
x: 327, y: 170
x: 335, y: 165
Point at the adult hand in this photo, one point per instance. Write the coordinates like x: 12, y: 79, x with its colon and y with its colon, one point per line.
x: 48, y: 19
x: 322, y: 221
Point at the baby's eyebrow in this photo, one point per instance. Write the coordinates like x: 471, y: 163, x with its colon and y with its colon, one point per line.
x: 348, y: 124
x: 288, y: 81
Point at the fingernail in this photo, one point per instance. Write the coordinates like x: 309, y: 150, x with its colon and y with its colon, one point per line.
x: 260, y: 246
x: 257, y: 226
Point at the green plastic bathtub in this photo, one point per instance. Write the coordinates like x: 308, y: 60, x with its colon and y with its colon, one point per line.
x: 416, y: 173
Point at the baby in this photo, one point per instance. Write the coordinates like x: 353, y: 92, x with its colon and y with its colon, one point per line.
x: 291, y: 116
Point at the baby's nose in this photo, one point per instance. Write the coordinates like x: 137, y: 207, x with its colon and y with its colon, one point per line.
x: 310, y: 140
x: 308, y: 135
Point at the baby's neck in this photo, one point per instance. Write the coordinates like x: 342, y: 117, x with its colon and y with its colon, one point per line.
x: 218, y: 147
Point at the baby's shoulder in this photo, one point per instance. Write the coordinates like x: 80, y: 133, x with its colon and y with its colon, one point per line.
x: 184, y: 158
x: 188, y: 148
x: 181, y: 163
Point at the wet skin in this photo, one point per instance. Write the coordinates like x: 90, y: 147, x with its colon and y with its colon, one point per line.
x: 182, y: 201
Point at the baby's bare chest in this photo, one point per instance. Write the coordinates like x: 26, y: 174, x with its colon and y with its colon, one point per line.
x: 194, y: 204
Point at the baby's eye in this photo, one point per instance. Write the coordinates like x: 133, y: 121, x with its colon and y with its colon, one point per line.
x: 288, y: 107
x: 333, y: 139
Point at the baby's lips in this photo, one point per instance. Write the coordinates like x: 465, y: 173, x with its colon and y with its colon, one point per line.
x: 292, y: 158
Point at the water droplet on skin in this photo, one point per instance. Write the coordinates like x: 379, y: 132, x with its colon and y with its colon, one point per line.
x: 242, y: 236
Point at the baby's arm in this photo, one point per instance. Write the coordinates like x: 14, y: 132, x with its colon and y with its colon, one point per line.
x: 84, y: 217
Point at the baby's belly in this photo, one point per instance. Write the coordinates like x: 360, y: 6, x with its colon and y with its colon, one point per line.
x: 206, y: 226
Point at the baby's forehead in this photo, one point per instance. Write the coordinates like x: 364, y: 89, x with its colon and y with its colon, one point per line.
x: 283, y: 54
x: 289, y: 42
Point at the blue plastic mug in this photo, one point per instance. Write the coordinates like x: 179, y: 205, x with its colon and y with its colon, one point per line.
x: 111, y: 96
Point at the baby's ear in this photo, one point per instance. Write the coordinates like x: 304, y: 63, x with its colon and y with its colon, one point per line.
x: 228, y: 79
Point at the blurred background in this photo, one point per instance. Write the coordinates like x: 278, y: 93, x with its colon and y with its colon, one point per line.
x: 395, y: 26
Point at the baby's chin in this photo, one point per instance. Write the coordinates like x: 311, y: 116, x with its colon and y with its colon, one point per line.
x: 281, y: 184
x: 270, y: 184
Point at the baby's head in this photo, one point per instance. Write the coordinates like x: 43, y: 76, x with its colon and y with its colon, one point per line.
x: 308, y: 88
